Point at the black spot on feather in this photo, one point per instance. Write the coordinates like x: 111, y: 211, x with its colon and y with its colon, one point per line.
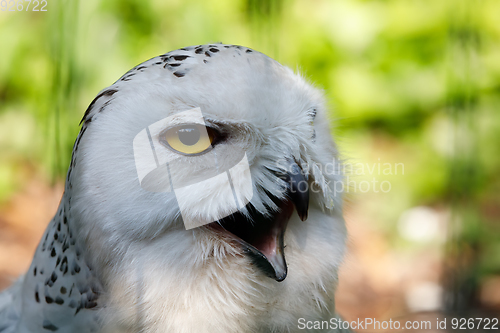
x: 65, y: 247
x: 109, y: 92
x: 127, y: 77
x: 64, y: 266
x: 51, y: 279
x: 37, y: 295
x: 105, y: 105
x: 49, y: 326
x: 180, y: 57
x: 75, y: 269
x: 90, y: 305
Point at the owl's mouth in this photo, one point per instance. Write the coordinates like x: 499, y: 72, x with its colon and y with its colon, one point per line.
x: 262, y: 236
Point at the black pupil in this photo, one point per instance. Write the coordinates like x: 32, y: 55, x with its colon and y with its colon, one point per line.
x: 189, y: 135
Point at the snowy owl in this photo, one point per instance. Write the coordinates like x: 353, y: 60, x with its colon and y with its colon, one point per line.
x: 119, y: 256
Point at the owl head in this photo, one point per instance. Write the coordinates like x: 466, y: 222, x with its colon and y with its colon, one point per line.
x: 211, y: 125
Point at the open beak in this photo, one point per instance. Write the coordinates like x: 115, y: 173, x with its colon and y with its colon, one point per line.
x: 262, y: 237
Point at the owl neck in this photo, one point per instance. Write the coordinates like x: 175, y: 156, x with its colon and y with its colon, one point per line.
x: 59, y: 283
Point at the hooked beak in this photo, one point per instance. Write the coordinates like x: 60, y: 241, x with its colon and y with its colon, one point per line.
x: 298, y: 188
x: 262, y: 237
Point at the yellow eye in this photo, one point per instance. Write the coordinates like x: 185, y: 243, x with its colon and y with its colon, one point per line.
x: 189, y: 139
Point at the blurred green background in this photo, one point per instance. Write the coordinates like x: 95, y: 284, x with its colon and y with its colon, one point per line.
x: 414, y: 82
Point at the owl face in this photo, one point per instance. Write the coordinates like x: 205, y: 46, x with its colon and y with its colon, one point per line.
x: 254, y: 116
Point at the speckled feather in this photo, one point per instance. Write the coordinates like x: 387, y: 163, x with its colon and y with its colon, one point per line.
x: 59, y: 291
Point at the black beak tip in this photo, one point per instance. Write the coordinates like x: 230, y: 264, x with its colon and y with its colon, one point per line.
x: 281, y: 277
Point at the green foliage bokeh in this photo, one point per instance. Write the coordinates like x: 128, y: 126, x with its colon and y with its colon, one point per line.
x: 408, y: 81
